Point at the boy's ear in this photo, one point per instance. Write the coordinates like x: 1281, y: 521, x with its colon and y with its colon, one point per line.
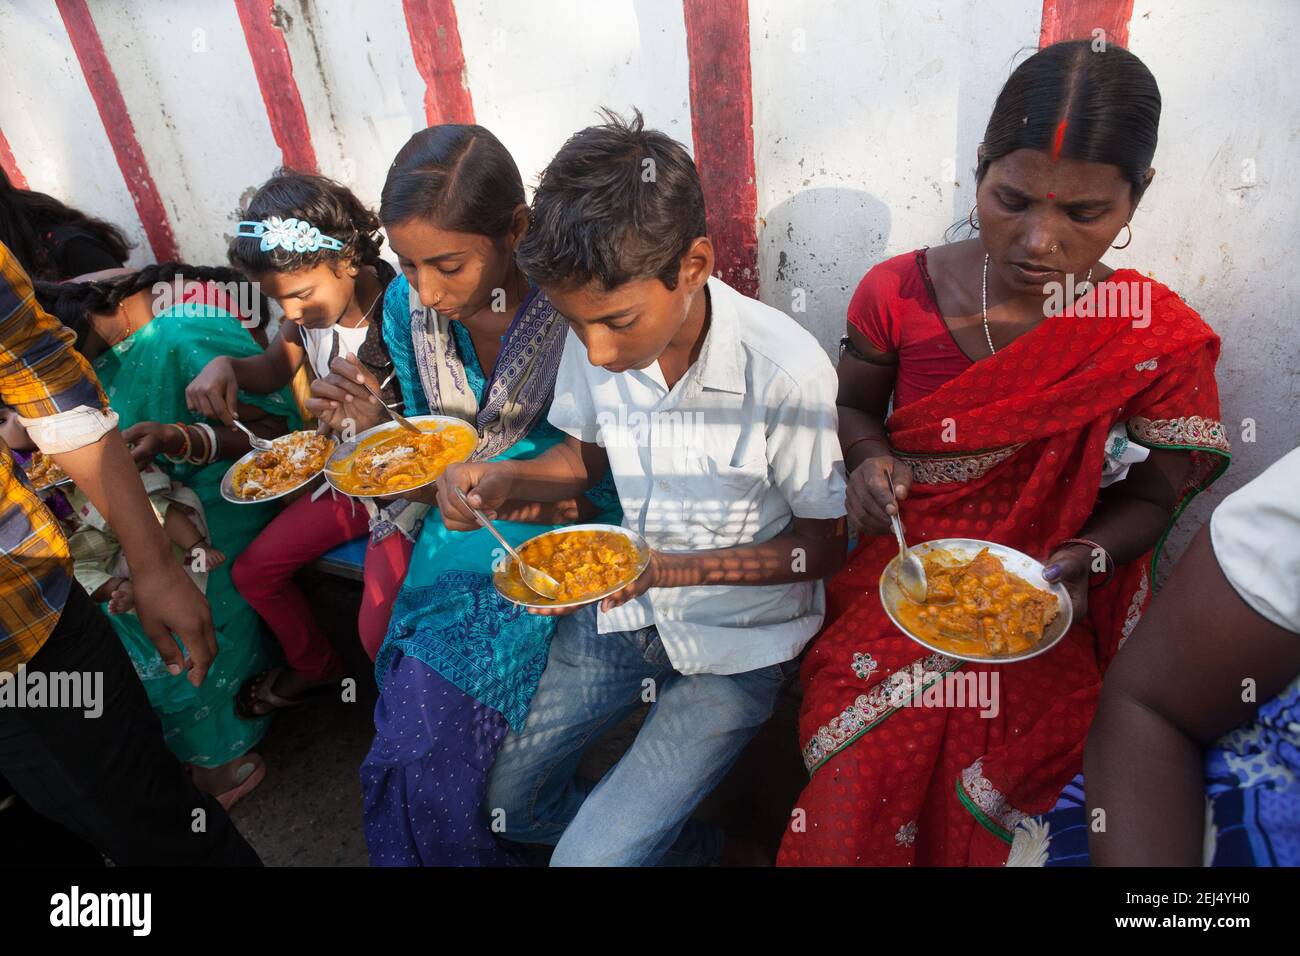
x: 697, y: 264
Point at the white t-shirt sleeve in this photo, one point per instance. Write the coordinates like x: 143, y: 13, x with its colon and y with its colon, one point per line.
x: 1256, y: 538
x: 803, y: 446
x: 572, y: 409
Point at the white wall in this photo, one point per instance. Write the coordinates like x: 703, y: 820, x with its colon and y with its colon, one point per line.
x: 866, y: 119
x: 1222, y: 217
x: 49, y: 117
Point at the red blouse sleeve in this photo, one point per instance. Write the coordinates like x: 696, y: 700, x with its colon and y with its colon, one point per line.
x: 871, y: 311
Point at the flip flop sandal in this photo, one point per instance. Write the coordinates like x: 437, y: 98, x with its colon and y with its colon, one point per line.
x: 257, y: 689
x: 248, y: 776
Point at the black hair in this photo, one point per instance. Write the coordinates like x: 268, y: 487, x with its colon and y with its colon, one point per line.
x: 457, y: 176
x: 618, y: 202
x: 1108, y: 100
x: 26, y: 219
x: 329, y: 206
x: 73, y: 302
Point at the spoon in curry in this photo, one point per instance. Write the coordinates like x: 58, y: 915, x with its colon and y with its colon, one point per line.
x: 539, y: 581
x: 911, y: 572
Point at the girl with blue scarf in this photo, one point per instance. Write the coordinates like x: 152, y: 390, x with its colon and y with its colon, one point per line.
x: 469, y: 338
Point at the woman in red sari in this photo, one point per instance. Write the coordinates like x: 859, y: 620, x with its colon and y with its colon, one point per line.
x: 1041, y: 400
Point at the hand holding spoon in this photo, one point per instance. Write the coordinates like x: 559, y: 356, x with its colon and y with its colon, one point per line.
x: 911, y: 572
x: 539, y: 581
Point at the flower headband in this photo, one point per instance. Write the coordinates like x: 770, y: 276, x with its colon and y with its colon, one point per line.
x: 291, y: 235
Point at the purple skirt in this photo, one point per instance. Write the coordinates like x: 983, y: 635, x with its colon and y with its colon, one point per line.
x: 424, y: 780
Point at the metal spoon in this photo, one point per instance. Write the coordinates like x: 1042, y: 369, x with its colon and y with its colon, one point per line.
x: 391, y: 414
x: 261, y: 444
x: 911, y: 572
x: 539, y: 581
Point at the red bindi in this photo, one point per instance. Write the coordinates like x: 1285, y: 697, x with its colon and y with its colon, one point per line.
x: 1051, y: 195
x: 1057, y: 140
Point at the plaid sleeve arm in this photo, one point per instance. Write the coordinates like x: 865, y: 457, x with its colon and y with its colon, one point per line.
x: 41, y: 374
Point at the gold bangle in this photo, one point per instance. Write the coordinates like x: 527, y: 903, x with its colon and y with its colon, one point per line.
x: 185, y: 444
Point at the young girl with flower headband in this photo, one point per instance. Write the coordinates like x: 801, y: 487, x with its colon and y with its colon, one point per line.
x: 313, y: 247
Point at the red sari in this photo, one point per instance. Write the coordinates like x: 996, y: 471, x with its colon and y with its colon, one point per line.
x: 1010, y: 450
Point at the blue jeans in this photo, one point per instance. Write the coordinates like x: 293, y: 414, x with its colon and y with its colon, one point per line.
x: 638, y: 814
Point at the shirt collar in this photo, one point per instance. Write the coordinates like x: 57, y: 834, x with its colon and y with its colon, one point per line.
x: 721, y: 361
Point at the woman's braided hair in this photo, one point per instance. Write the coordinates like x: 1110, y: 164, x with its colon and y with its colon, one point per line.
x: 73, y: 302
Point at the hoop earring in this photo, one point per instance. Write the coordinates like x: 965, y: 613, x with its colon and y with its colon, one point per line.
x: 1128, y: 240
x: 971, y: 218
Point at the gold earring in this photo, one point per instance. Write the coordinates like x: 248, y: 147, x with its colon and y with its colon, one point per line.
x: 1128, y: 240
x: 971, y: 218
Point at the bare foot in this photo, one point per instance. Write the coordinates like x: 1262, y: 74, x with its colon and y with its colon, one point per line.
x: 122, y: 599
x: 204, y: 557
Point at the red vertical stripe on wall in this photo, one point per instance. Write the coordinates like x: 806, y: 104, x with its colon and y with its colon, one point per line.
x: 117, y: 124
x: 274, y: 70
x: 10, y: 165
x: 722, y: 125
x: 1076, y: 19
x: 435, y: 41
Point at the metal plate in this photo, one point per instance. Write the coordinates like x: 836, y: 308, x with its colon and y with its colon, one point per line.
x: 347, y: 448
x: 227, y: 480
x: 1018, y: 563
x: 509, y: 586
x: 61, y: 483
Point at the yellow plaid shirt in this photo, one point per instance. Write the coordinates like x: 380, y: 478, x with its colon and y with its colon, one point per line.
x: 41, y: 374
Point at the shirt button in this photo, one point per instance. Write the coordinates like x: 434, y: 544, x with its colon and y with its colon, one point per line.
x: 664, y: 485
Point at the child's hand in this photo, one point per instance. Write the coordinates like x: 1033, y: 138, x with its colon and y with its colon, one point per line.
x: 487, y: 484
x: 214, y: 391
x: 342, y: 396
x: 148, y: 440
x: 649, y: 578
x: 332, y: 418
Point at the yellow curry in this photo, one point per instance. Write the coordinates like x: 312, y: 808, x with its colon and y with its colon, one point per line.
x: 585, y: 563
x: 398, y: 460
x: 293, y: 459
x: 44, y: 471
x: 978, y: 607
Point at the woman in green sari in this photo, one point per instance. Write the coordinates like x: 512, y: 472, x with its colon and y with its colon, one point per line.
x: 147, y: 334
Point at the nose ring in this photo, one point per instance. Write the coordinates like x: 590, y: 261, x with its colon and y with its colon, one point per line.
x: 1053, y: 247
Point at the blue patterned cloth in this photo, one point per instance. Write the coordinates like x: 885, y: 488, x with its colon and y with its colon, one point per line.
x: 459, y: 665
x: 1252, y: 789
x: 397, y: 338
x: 424, y: 803
x: 448, y: 615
